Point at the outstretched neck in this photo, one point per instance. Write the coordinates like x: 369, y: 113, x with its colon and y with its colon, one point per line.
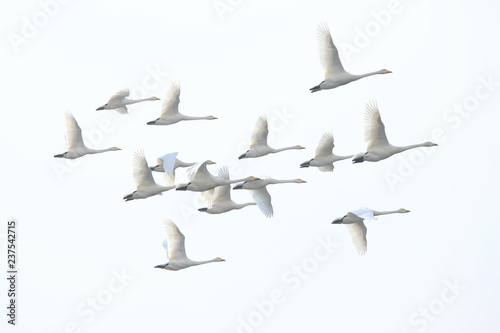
x: 202, y: 262
x: 375, y: 213
x: 97, y: 151
x: 184, y: 117
x: 286, y: 148
x: 133, y: 101
x: 360, y: 76
x: 403, y: 148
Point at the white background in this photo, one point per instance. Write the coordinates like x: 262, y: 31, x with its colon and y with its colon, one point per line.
x: 256, y: 57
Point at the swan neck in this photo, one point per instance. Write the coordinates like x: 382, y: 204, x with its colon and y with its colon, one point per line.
x: 375, y: 213
x: 401, y: 149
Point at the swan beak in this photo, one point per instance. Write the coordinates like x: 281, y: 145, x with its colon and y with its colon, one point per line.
x: 118, y: 149
x: 406, y: 210
x: 388, y: 71
x: 255, y: 178
x: 211, y: 162
x: 214, y: 117
x: 433, y: 144
x: 157, y: 99
x: 220, y: 259
x: 300, y: 147
x: 303, y: 181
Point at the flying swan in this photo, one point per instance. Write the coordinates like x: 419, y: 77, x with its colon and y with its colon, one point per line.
x: 356, y: 227
x: 170, y: 108
x: 258, y: 141
x: 74, y: 141
x: 221, y: 200
x: 260, y: 194
x: 335, y: 74
x: 200, y: 180
x: 167, y: 164
x: 120, y: 100
x: 146, y: 185
x: 377, y: 145
x: 176, y: 251
x: 324, y: 157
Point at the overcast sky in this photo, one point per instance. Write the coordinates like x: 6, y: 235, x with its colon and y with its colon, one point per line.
x: 86, y: 258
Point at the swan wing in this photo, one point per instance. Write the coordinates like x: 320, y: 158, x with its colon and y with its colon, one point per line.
x: 122, y: 110
x: 325, y: 145
x: 141, y: 172
x: 260, y: 132
x: 222, y: 193
x: 170, y: 105
x: 168, y: 162
x: 119, y: 96
x: 199, y: 172
x: 364, y: 213
x: 164, y: 243
x: 74, y: 139
x: 263, y: 200
x: 326, y: 168
x: 175, y: 241
x: 374, y: 127
x: 357, y: 231
x: 328, y: 53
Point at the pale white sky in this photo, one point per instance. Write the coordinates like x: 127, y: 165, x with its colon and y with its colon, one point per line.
x: 86, y: 258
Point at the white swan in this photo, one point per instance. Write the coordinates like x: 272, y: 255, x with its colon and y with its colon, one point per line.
x: 258, y: 141
x: 324, y: 157
x: 146, y: 186
x: 356, y: 227
x: 200, y: 180
x: 335, y: 74
x: 377, y: 145
x: 260, y: 193
x: 221, y: 201
x: 167, y: 164
x: 120, y: 100
x: 74, y: 141
x: 176, y: 251
x: 170, y: 108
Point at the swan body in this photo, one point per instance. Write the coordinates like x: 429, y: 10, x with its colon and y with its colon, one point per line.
x: 120, y: 100
x: 201, y: 180
x: 354, y: 222
x: 324, y: 157
x: 74, y: 141
x: 377, y: 146
x: 258, y: 141
x: 167, y: 164
x: 260, y: 194
x: 176, y: 250
x: 335, y: 74
x: 170, y: 109
x: 146, y: 186
x: 221, y: 201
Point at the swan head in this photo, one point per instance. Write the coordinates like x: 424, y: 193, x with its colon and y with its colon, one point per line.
x: 430, y: 144
x: 210, y: 162
x: 155, y: 98
x: 243, y: 155
x: 218, y: 259
x: 299, y: 147
x: 306, y: 164
x: 384, y: 71
x: 114, y: 148
x: 339, y: 220
x: 299, y: 181
x: 182, y: 187
x: 211, y: 117
x: 402, y: 210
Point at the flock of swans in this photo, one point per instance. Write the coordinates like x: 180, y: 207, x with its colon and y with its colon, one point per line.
x: 216, y: 190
